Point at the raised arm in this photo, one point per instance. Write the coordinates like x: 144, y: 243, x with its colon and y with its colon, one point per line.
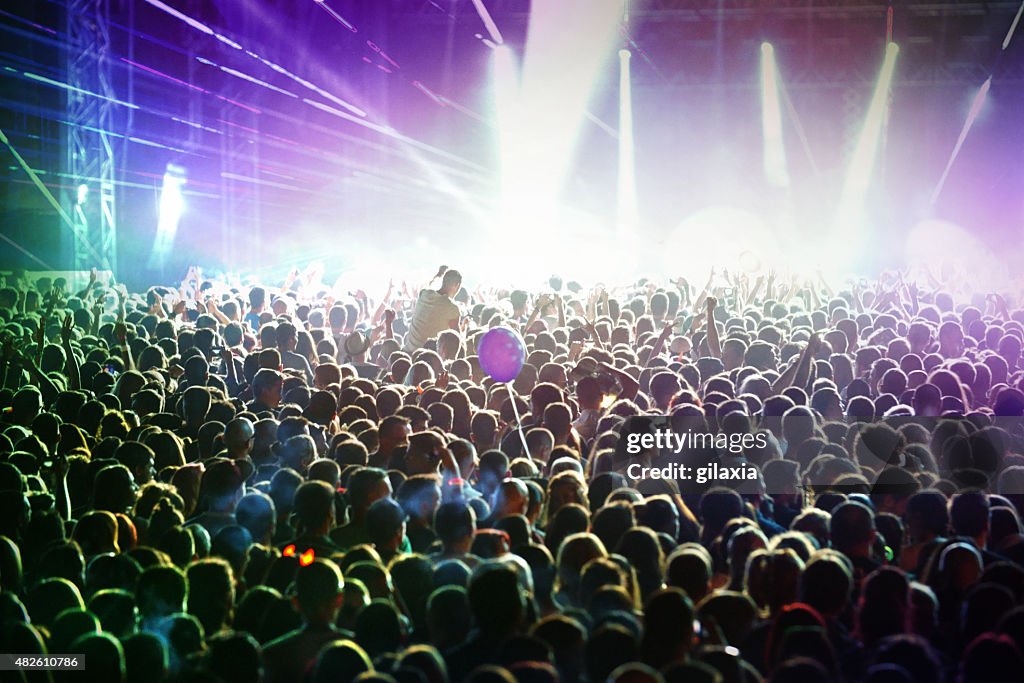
x: 46, y: 386
x: 714, y: 343
x: 542, y: 300
x: 214, y: 310
x: 999, y: 306
x: 630, y: 387
x: 659, y: 343
x: 60, y: 486
x: 121, y: 330
x: 699, y: 301
x: 384, y: 303
x: 70, y: 359
x: 88, y: 288
x: 798, y: 373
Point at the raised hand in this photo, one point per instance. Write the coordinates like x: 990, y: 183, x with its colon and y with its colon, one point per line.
x: 40, y: 334
x: 441, y: 270
x: 60, y: 466
x: 67, y: 329
x: 814, y: 343
x: 53, y: 298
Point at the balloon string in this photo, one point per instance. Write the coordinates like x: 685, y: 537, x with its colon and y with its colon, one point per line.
x: 519, y: 426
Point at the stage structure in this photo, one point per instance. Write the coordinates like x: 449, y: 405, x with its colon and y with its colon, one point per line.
x: 90, y: 197
x: 942, y: 43
x: 239, y: 167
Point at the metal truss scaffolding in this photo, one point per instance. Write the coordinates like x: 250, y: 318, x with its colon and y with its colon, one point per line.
x: 90, y: 148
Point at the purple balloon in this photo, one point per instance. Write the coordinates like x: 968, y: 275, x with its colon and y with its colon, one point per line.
x: 502, y: 353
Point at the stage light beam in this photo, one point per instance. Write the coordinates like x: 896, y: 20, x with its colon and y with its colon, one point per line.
x: 972, y: 115
x: 775, y: 169
x: 559, y: 71
x: 172, y: 206
x: 492, y: 28
x: 862, y: 163
x: 628, y: 213
x: 505, y: 84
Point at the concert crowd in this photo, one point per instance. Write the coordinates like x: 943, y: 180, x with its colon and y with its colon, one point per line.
x: 217, y: 481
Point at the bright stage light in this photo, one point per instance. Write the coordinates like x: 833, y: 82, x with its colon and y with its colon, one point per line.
x: 172, y: 206
x: 505, y: 80
x: 972, y: 116
x: 721, y: 235
x: 82, y: 194
x: 628, y: 213
x: 560, y: 69
x: 775, y: 170
x: 952, y: 253
x: 540, y: 111
x: 492, y: 28
x: 850, y: 218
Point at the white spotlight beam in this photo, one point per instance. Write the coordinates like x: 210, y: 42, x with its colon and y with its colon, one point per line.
x: 505, y: 80
x: 1013, y: 27
x: 492, y: 28
x: 172, y: 206
x: 627, y: 201
x: 559, y: 70
x: 775, y: 169
x: 858, y: 178
x: 976, y: 105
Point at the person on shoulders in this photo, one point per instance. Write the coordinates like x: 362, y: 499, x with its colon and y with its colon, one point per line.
x: 435, y: 311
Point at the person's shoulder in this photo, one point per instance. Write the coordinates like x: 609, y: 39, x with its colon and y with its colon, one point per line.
x: 345, y: 535
x: 325, y: 545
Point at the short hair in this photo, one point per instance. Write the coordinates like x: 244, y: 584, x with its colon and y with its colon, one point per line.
x: 826, y: 582
x: 969, y: 513
x: 451, y: 278
x: 454, y: 521
x: 361, y: 483
x: 852, y: 524
x: 313, y: 505
x: 384, y: 519
x: 318, y: 582
x: 929, y: 509
x: 160, y: 591
x: 211, y: 593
